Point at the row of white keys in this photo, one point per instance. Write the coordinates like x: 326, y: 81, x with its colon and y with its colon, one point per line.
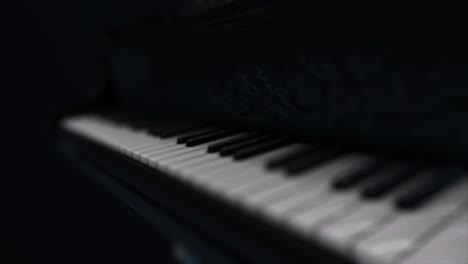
x: 146, y: 148
x: 331, y: 207
x: 167, y: 148
x: 274, y: 182
x: 226, y: 168
x: 154, y: 160
x: 247, y: 172
x: 300, y: 193
x: 404, y: 233
x: 197, y: 162
x: 313, y: 181
x: 126, y: 140
x: 139, y: 145
x: 249, y: 177
x: 164, y: 159
x: 159, y: 144
x: 155, y: 144
x: 133, y: 143
x: 146, y: 155
x: 222, y: 167
x: 448, y: 246
x: 147, y: 140
x: 190, y: 155
x: 259, y: 176
x: 150, y: 148
x: 365, y: 218
x: 189, y: 173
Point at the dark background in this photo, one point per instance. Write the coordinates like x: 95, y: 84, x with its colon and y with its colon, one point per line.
x: 51, y: 213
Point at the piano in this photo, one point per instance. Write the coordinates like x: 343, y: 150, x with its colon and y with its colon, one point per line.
x: 237, y: 175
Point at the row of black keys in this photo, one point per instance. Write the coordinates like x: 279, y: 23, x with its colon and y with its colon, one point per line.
x: 381, y: 178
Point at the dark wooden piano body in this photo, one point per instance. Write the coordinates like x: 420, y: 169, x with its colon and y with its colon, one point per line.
x: 334, y: 71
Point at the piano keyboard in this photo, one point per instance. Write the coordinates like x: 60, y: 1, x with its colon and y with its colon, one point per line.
x: 368, y: 208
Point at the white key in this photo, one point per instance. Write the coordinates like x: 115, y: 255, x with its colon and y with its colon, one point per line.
x: 154, y: 160
x: 154, y: 153
x: 403, y: 234
x: 364, y: 220
x: 233, y: 170
x: 224, y: 174
x: 278, y: 210
x: 146, y: 140
x: 164, y: 163
x: 192, y: 172
x: 158, y: 144
x: 242, y: 179
x: 449, y: 246
x: 147, y: 157
x: 144, y: 155
x: 123, y: 138
x: 194, y: 163
x: 325, y: 206
x: 259, y: 181
x: 174, y: 167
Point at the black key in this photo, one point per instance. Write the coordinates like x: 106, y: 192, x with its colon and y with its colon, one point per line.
x: 260, y: 148
x: 229, y: 150
x: 210, y: 137
x: 283, y: 161
x: 428, y: 187
x: 184, y: 138
x: 309, y: 162
x: 350, y: 180
x: 218, y: 146
x: 390, y: 179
